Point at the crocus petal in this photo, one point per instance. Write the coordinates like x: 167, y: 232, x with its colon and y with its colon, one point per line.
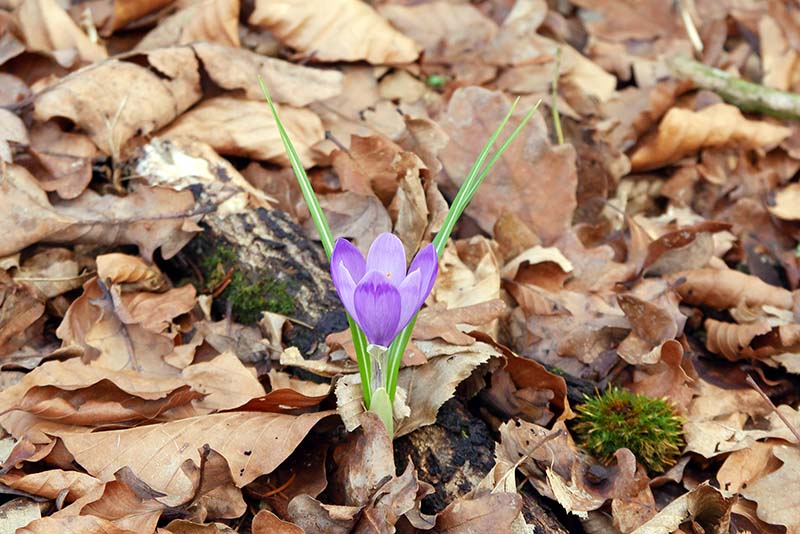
x: 377, y: 307
x: 345, y: 287
x: 427, y: 262
x: 409, y: 298
x: 387, y: 255
x: 345, y: 252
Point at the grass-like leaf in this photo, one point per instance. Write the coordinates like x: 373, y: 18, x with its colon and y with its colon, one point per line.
x: 475, y: 177
x: 359, y: 339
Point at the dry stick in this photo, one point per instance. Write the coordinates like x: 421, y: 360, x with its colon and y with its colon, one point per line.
x: 745, y: 95
x: 786, y: 422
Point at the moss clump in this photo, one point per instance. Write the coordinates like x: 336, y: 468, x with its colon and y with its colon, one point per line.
x: 649, y: 427
x: 248, y: 299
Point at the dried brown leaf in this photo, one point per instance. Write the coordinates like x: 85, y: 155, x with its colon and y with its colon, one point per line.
x: 48, y: 28
x: 313, y: 516
x: 76, y: 524
x: 239, y: 127
x: 65, y: 159
x: 265, y: 522
x: 51, y: 483
x: 786, y: 203
x: 13, y: 130
x: 288, y: 83
x: 529, y: 166
x: 115, y: 100
x: 494, y: 512
x: 119, y: 268
x: 683, y: 132
x: 212, y: 21
x: 225, y: 382
x: 360, y: 218
x: 776, y: 505
x: 438, y: 321
x: 705, y: 506
x: 364, y: 462
x: 20, y: 307
x: 150, y: 217
x: 728, y: 289
x: 335, y: 30
x: 253, y: 444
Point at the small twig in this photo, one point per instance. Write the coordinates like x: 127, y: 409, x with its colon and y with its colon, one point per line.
x: 786, y: 422
x: 224, y: 283
x: 280, y: 488
x: 554, y: 99
x: 745, y: 95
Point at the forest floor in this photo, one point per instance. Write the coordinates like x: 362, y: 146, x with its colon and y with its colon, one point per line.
x: 173, y: 355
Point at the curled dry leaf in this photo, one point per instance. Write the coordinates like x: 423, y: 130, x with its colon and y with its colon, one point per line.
x: 683, y: 132
x: 754, y: 340
x: 213, y: 21
x: 116, y: 99
x: 469, y: 273
x: 335, y: 30
x: 723, y: 420
x: 666, y: 378
x: 238, y: 127
x: 252, y: 443
x: 48, y: 28
x: 525, y: 388
x: 120, y: 268
x: 74, y: 392
x: 51, y: 483
x: 728, y: 289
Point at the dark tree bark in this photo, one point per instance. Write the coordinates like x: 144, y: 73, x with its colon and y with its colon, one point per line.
x: 271, y: 265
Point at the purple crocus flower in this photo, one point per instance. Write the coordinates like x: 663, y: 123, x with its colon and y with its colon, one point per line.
x: 378, y: 293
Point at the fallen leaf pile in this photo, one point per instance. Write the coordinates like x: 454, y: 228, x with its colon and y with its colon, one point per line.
x: 653, y: 248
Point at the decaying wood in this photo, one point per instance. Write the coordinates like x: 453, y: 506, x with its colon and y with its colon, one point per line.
x: 454, y: 455
x: 267, y: 243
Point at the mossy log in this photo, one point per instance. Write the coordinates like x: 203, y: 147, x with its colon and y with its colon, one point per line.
x: 454, y: 455
x: 264, y: 262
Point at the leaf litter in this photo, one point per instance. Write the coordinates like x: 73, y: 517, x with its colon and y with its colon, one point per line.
x: 654, y: 249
